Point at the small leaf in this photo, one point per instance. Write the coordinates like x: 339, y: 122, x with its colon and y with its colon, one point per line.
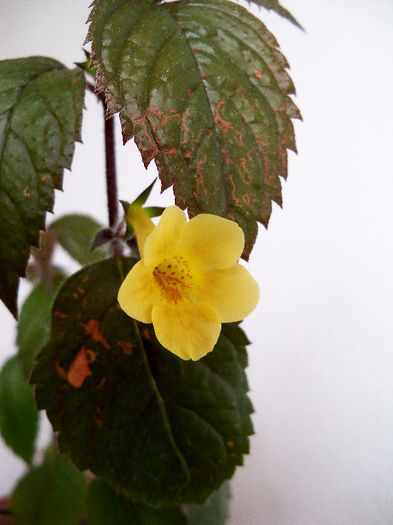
x: 162, y: 429
x: 34, y: 324
x: 18, y: 415
x: 152, y: 211
x: 142, y: 198
x: 107, y: 507
x: 40, y: 116
x: 214, y: 511
x: 76, y: 233
x: 102, y: 237
x: 207, y: 98
x: 275, y: 5
x: 52, y: 493
x: 86, y: 65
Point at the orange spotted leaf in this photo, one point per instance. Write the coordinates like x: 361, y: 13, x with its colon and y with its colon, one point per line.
x: 204, y: 89
x: 130, y: 411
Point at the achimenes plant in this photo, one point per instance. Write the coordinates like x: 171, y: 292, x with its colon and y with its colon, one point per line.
x: 138, y: 358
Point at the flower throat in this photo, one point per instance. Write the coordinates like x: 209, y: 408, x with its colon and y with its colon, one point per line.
x: 174, y: 278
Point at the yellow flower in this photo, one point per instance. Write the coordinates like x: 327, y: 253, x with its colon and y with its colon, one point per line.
x: 188, y: 280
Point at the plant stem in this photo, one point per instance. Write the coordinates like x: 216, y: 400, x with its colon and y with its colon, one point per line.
x: 110, y: 161
x: 110, y: 165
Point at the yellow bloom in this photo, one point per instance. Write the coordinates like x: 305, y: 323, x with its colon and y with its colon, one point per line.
x: 188, y: 281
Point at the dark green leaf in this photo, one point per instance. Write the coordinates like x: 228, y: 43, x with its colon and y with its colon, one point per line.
x: 18, y: 415
x: 142, y: 198
x: 40, y: 115
x: 275, y: 5
x: 102, y: 237
x: 162, y: 429
x: 51, y: 494
x: 76, y: 233
x: 107, y: 507
x: 214, y: 511
x: 34, y: 324
x: 204, y: 89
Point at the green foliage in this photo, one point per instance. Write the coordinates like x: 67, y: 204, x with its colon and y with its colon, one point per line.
x: 162, y: 429
x: 18, y: 415
x: 40, y: 115
x: 52, y: 493
x: 34, y: 325
x: 275, y: 5
x: 152, y: 211
x: 214, y: 512
x: 107, y: 507
x: 203, y: 88
x: 76, y: 233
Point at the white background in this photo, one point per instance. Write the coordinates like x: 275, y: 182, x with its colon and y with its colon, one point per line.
x: 321, y: 365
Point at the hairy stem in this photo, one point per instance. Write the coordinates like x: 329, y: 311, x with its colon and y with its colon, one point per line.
x: 110, y: 165
x: 110, y: 161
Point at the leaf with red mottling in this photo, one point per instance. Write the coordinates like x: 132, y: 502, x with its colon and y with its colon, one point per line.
x: 204, y: 89
x: 129, y: 410
x: 40, y: 115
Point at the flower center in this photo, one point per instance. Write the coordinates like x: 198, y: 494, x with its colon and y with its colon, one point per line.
x: 174, y: 278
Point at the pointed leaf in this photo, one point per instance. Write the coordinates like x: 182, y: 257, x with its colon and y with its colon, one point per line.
x: 129, y: 410
x: 18, y: 415
x: 34, y: 325
x: 203, y: 88
x: 102, y: 237
x: 86, y: 65
x: 53, y: 493
x: 152, y: 211
x: 76, y: 233
x: 142, y: 198
x: 40, y: 115
x: 275, y: 5
x: 107, y: 507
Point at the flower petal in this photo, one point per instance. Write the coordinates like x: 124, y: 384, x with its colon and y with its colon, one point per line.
x: 214, y: 240
x: 187, y: 330
x: 161, y: 243
x: 135, y: 293
x: 233, y: 293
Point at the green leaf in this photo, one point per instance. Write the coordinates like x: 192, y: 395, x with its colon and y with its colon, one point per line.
x: 40, y: 116
x: 76, y: 233
x: 142, y: 197
x: 152, y: 211
x: 204, y: 89
x: 86, y: 65
x: 18, y: 415
x: 161, y: 429
x: 52, y: 493
x: 214, y: 511
x: 107, y: 507
x: 34, y: 324
x: 102, y: 237
x: 275, y: 5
